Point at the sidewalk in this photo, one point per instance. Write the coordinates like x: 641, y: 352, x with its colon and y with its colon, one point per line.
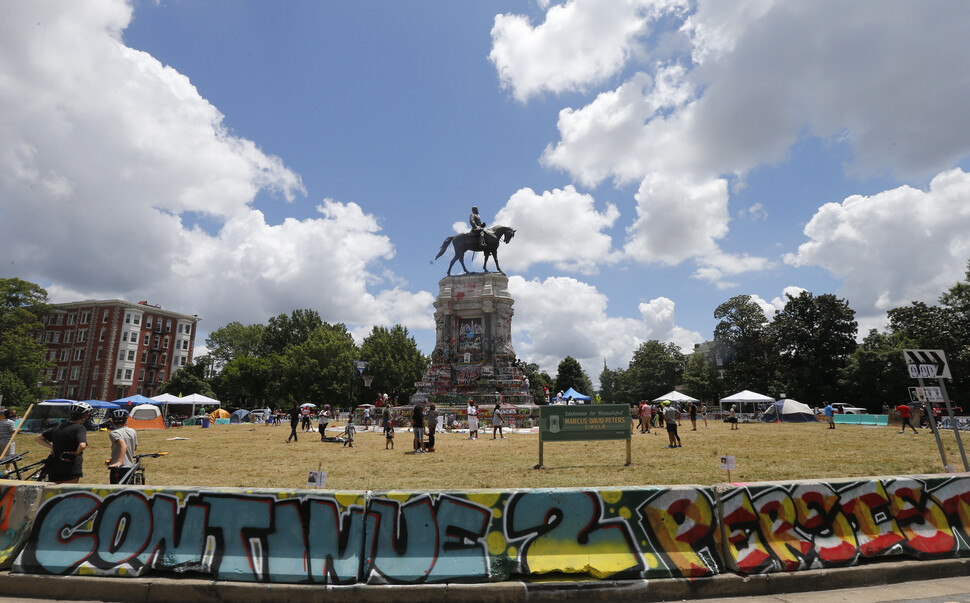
x: 178, y: 590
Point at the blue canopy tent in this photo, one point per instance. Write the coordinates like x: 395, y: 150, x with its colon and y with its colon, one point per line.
x: 133, y: 400
x: 575, y: 395
x: 102, y: 404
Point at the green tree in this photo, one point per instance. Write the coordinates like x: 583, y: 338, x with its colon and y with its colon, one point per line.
x: 319, y: 369
x: 742, y: 340
x: 702, y: 380
x: 571, y: 374
x: 538, y: 381
x: 22, y: 357
x: 655, y: 369
x: 921, y: 326
x: 814, y: 335
x: 249, y: 382
x: 875, y: 374
x: 394, y: 361
x: 285, y: 330
x: 235, y: 340
x: 608, y: 385
x: 190, y: 379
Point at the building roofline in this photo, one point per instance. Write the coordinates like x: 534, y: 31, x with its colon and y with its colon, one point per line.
x: 143, y: 306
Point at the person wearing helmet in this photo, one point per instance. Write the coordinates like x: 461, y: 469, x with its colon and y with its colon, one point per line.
x: 67, y: 442
x: 124, y: 442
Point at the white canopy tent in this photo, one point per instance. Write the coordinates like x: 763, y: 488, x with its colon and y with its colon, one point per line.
x: 748, y: 402
x: 192, y: 400
x: 676, y: 396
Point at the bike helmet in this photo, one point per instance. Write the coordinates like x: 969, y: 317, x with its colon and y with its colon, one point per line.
x: 119, y: 415
x: 80, y: 409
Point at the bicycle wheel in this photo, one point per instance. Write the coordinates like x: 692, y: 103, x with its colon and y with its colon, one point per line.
x: 139, y: 479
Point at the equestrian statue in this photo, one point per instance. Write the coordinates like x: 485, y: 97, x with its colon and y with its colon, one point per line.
x: 478, y: 239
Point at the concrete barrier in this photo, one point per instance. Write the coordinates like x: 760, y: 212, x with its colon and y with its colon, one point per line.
x: 370, y: 538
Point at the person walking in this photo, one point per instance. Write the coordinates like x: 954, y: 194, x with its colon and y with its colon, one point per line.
x: 349, y: 432
x: 417, y: 425
x: 431, y: 423
x: 497, y: 420
x: 692, y: 411
x: 905, y: 413
x: 388, y: 429
x: 830, y: 415
x: 124, y: 443
x: 7, y: 428
x: 295, y: 414
x: 67, y: 442
x: 323, y: 419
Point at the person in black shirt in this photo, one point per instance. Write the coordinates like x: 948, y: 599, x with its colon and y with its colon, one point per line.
x: 417, y: 424
x: 67, y: 442
x: 295, y: 414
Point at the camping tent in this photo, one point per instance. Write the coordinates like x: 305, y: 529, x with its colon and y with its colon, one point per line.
x: 575, y: 395
x: 676, y: 396
x: 789, y: 411
x: 240, y: 416
x: 219, y: 413
x: 146, y: 416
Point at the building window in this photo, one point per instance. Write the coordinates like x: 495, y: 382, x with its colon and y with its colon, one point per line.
x: 131, y: 355
x: 141, y: 375
x: 82, y: 335
x: 149, y: 393
x: 60, y: 319
x: 136, y: 319
x: 185, y: 344
x: 75, y: 372
x: 57, y: 338
x: 97, y: 355
x: 105, y: 317
x: 94, y: 390
x: 121, y: 355
x: 147, y: 339
x: 52, y: 355
x: 68, y: 336
x: 64, y: 354
x: 71, y: 318
x: 50, y: 374
x: 60, y: 373
x: 127, y: 374
x: 182, y: 361
x: 139, y: 391
x: 79, y: 354
x: 161, y: 376
x: 144, y: 357
x: 164, y: 359
x: 151, y: 376
x: 96, y: 373
x: 168, y: 326
x: 148, y: 322
x: 165, y: 343
x: 71, y: 390
x: 48, y: 337
x: 101, y: 336
x: 118, y: 374
x: 156, y: 342
x: 124, y: 336
x: 85, y: 318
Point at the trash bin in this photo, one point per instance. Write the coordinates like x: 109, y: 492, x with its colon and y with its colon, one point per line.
x: 205, y: 423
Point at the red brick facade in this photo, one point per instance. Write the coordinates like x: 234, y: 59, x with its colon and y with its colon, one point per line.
x: 109, y: 349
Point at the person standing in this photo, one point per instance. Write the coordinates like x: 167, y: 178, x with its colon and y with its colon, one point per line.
x: 323, y: 419
x: 7, y: 428
x: 349, y: 432
x: 646, y: 416
x: 704, y: 414
x: 671, y: 416
x: 692, y: 410
x: 733, y: 417
x: 417, y: 425
x: 295, y: 414
x: 124, y: 443
x: 366, y: 417
x: 431, y: 423
x: 497, y: 420
x: 905, y: 413
x: 388, y: 429
x: 830, y: 415
x: 67, y: 442
x: 305, y: 419
x: 472, y: 420
x: 267, y: 416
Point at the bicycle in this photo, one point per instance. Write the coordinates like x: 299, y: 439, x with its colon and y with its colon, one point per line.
x: 32, y: 472
x: 136, y: 473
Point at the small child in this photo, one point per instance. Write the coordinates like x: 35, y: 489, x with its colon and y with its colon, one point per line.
x: 389, y: 436
x: 349, y: 431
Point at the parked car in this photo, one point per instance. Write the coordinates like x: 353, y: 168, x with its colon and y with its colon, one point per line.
x: 847, y: 409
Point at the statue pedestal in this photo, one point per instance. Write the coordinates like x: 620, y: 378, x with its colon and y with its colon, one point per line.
x: 473, y: 356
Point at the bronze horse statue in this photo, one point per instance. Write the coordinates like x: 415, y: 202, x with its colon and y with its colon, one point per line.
x: 469, y: 242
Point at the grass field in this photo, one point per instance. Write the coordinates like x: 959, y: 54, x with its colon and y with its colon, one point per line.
x: 252, y: 456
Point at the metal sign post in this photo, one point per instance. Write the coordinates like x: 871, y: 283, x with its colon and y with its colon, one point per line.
x: 929, y: 364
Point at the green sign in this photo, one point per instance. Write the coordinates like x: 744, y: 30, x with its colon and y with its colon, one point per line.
x: 584, y: 422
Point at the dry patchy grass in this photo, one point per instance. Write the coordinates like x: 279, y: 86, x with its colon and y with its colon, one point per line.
x: 249, y: 456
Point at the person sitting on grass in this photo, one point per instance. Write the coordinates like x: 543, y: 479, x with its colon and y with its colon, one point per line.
x: 349, y: 432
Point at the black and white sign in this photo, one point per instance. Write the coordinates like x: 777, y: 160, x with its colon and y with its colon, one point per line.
x: 926, y: 364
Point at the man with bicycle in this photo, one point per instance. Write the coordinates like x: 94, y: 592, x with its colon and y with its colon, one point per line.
x: 67, y: 442
x: 124, y: 442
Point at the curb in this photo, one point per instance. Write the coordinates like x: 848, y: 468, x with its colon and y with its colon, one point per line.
x: 178, y: 590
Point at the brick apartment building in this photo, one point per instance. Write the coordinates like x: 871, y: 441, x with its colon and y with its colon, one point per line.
x: 109, y: 349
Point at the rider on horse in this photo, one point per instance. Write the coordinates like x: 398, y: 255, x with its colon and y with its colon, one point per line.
x: 478, y: 227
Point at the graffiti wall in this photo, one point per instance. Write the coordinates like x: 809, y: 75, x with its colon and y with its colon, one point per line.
x: 322, y: 537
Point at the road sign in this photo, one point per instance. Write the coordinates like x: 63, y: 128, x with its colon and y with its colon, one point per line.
x: 926, y: 364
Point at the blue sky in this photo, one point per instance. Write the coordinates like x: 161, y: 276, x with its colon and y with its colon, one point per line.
x: 241, y: 159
